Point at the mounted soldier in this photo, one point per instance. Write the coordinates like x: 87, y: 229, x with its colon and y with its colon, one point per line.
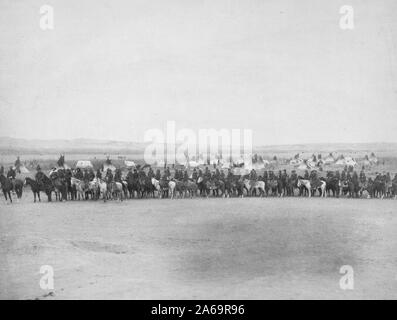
x: 157, y: 176
x: 39, y: 175
x: 17, y: 165
x: 86, y: 177
x: 207, y: 173
x: 294, y: 176
x: 217, y: 174
x: 98, y: 174
x: 185, y: 176
x: 11, y: 174
x: 194, y: 175
x: 363, y: 177
x: 141, y: 174
x: 253, y: 176
x: 315, y: 182
x: 79, y: 174
x: 229, y: 176
x: 117, y: 175
x: 109, y: 176
x: 150, y: 173
x: 167, y: 172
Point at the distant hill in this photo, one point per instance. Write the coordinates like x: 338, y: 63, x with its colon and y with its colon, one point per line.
x: 26, y: 146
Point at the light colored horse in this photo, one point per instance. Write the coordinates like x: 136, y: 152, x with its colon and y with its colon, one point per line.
x: 255, y: 185
x: 102, y: 187
x: 307, y: 185
x: 171, y: 188
x: 157, y: 186
x: 115, y: 190
x: 81, y: 187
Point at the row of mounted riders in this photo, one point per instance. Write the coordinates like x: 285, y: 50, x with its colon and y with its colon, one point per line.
x: 69, y: 184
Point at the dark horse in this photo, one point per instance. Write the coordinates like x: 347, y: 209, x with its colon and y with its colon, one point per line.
x: 37, y: 187
x: 7, y: 186
x: 61, y: 188
x: 18, y: 187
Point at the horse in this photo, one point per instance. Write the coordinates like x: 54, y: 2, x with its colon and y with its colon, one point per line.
x: 164, y: 187
x: 81, y: 187
x: 93, y: 188
x: 37, y: 187
x: 379, y: 188
x: 190, y: 187
x: 394, y: 189
x: 274, y: 187
x: 132, y: 185
x: 98, y: 188
x: 351, y: 188
x: 18, y: 187
x: 145, y: 186
x: 230, y: 186
x: 115, y: 189
x: 47, y: 186
x: 171, y: 188
x: 61, y: 188
x: 7, y: 186
x: 103, y: 189
x: 34, y: 186
x: 252, y: 185
x: 215, y: 187
x: 201, y: 185
x: 157, y: 187
x: 333, y: 186
x: 307, y: 185
x: 291, y: 184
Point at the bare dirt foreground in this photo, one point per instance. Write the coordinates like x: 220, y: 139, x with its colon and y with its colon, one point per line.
x: 201, y: 248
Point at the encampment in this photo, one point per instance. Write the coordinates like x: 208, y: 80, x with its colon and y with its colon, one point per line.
x: 129, y: 164
x: 296, y: 162
x: 240, y: 171
x: 84, y: 164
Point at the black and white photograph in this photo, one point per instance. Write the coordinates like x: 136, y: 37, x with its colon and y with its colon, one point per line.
x: 200, y: 150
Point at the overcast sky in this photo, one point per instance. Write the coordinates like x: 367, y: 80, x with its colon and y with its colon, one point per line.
x: 285, y: 69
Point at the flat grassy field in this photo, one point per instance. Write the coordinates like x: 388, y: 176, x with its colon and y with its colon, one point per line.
x: 251, y: 248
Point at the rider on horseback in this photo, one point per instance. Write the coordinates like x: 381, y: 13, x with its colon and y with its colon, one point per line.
x: 157, y: 175
x: 79, y: 174
x: 117, y: 175
x: 17, y: 165
x: 194, y: 175
x: 39, y: 175
x: 109, y: 176
x: 11, y: 174
x: 185, y: 176
x: 363, y: 177
x: 314, y: 179
x: 98, y: 174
